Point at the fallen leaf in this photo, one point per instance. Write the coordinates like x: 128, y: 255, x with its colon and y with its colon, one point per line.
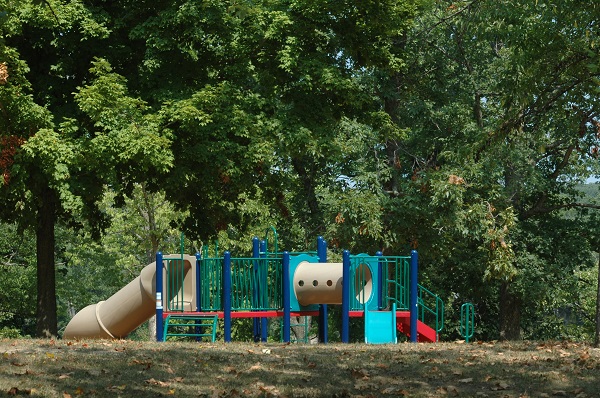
x: 66, y: 395
x: 158, y: 382
x: 16, y: 391
x: 271, y: 391
x: 500, y: 386
x: 464, y: 381
x: 360, y: 374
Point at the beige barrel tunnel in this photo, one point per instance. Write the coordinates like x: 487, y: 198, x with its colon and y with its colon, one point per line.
x: 127, y: 309
x: 321, y: 283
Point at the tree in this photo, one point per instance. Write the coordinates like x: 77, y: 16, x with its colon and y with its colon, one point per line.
x: 56, y: 168
x: 501, y: 114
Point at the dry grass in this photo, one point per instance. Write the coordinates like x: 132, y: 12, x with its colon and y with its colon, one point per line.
x: 133, y: 369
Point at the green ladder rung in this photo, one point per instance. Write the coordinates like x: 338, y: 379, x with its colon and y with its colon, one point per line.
x: 202, y: 321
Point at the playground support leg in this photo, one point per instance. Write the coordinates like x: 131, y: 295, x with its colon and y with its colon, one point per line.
x: 346, y: 298
x: 255, y: 293
x: 414, y: 311
x: 323, y: 327
x: 380, y: 281
x: 198, y: 284
x: 286, y: 297
x: 227, y: 296
x: 159, y: 306
x: 263, y: 325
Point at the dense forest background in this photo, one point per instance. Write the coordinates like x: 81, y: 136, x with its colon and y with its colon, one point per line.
x: 468, y: 130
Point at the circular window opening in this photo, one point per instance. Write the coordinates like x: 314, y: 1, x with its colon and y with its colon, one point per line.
x: 315, y: 283
x: 363, y: 283
x: 300, y: 283
x: 329, y: 283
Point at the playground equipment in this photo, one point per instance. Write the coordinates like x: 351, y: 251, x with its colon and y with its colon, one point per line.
x: 189, y: 294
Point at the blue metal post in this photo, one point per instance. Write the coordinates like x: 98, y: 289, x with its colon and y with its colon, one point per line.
x: 159, y: 291
x: 380, y: 280
x: 198, y: 284
x: 255, y: 287
x: 227, y: 296
x: 413, y: 303
x: 286, y: 297
x: 323, y: 327
x: 264, y: 322
x: 346, y: 297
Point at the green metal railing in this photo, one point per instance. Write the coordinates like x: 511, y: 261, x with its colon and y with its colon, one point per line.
x: 396, y: 277
x: 255, y: 284
x: 211, y: 283
x: 431, y: 308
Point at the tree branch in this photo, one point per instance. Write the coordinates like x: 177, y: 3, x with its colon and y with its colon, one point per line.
x: 539, y: 208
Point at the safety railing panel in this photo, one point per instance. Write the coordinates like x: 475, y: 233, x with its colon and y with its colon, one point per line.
x: 396, y: 276
x: 211, y: 284
x: 255, y: 284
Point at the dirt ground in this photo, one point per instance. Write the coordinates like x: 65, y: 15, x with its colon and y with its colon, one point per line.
x: 48, y: 368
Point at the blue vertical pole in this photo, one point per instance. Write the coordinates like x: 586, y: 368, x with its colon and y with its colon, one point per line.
x: 380, y: 279
x: 323, y: 327
x: 198, y: 284
x: 286, y: 297
x: 346, y: 297
x: 159, y: 301
x: 227, y: 296
x: 255, y: 287
x: 264, y: 325
x: 413, y: 282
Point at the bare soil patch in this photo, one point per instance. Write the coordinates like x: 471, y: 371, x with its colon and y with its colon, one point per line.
x: 64, y: 369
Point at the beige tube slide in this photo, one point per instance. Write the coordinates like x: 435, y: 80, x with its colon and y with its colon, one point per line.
x: 318, y: 283
x: 127, y: 309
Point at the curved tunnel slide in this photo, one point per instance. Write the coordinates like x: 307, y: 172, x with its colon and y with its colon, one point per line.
x: 124, y: 311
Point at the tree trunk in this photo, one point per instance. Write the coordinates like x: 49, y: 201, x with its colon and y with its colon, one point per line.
x: 46, y: 282
x: 510, y: 313
x: 152, y: 328
x: 597, y: 337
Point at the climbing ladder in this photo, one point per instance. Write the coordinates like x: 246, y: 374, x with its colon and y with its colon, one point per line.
x: 191, y: 325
